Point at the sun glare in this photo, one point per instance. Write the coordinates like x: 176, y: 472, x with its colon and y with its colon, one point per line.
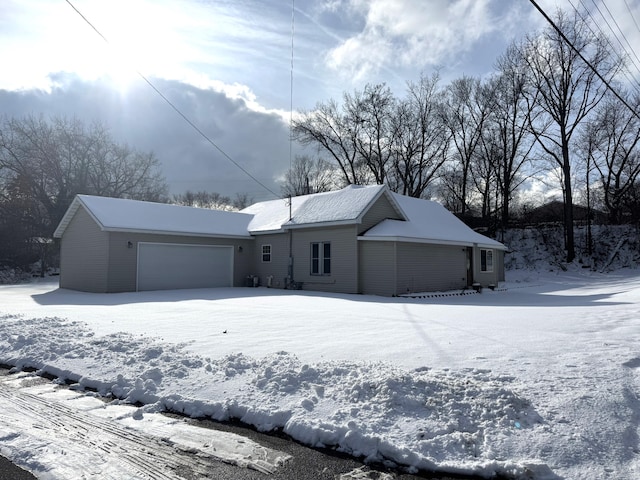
x: 141, y: 38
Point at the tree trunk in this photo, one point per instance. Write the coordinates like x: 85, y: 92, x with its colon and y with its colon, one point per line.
x: 568, y: 206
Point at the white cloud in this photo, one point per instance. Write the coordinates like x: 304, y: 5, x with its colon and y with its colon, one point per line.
x: 408, y: 33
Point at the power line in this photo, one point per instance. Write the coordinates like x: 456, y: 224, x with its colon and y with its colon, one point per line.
x: 177, y: 110
x: 587, y: 62
x: 633, y: 82
x: 615, y: 34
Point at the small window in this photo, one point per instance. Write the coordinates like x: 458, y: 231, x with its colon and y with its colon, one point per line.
x: 486, y: 260
x: 266, y: 253
x: 321, y: 258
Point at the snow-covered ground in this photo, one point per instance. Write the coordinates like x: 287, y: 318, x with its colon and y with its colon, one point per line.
x: 541, y: 380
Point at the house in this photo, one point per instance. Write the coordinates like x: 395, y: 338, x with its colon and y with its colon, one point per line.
x: 355, y: 240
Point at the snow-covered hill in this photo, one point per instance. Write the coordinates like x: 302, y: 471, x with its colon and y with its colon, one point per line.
x: 542, y: 248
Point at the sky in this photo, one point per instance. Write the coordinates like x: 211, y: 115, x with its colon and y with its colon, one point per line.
x: 239, y: 69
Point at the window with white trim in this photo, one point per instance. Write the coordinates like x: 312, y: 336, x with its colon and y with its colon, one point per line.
x: 486, y: 260
x: 266, y: 253
x: 321, y: 258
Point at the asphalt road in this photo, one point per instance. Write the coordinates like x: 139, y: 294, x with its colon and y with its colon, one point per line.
x: 9, y: 471
x: 305, y: 463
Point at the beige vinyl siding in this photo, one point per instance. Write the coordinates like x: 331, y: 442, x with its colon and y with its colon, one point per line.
x: 378, y: 268
x: 500, y: 264
x: 380, y: 210
x: 344, y: 259
x: 488, y: 278
x: 84, y: 255
x: 278, y: 266
x: 123, y: 271
x: 424, y: 267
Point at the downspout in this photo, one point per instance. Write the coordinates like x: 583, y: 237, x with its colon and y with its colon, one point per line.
x: 474, y: 261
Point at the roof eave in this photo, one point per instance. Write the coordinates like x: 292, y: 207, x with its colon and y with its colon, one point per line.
x: 438, y: 241
x: 76, y: 203
x: 334, y: 223
x: 174, y: 232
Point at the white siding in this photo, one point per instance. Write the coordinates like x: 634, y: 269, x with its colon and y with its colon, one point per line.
x: 277, y: 268
x: 378, y: 268
x: 84, y: 259
x: 344, y: 259
x: 425, y: 267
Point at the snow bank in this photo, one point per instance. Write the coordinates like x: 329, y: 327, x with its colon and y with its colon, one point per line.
x: 425, y: 419
x: 538, y: 381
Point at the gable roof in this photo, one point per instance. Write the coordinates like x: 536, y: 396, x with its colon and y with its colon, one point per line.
x: 339, y: 207
x: 428, y: 222
x: 123, y: 215
x: 424, y: 221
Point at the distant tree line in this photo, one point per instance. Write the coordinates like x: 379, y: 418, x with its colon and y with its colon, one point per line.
x: 474, y: 143
x: 45, y: 163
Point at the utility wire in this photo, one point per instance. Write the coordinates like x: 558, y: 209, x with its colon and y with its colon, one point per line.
x: 633, y: 82
x: 177, y: 110
x: 587, y: 62
x: 615, y: 34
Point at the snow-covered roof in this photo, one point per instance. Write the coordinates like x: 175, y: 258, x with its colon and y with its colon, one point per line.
x: 329, y: 208
x: 117, y: 214
x: 428, y: 222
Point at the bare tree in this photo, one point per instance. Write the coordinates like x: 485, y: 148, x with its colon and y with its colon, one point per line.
x: 372, y: 109
x: 615, y: 131
x: 335, y: 132
x: 465, y: 109
x: 512, y: 115
x: 308, y: 175
x: 45, y: 163
x: 566, y: 91
x: 421, y: 139
x: 203, y: 199
x: 54, y: 160
x: 242, y: 200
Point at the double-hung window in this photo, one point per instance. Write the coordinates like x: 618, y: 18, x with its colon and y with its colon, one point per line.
x: 486, y: 260
x: 266, y: 253
x: 321, y: 258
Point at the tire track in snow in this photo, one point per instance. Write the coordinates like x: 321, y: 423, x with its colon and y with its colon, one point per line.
x: 106, y: 446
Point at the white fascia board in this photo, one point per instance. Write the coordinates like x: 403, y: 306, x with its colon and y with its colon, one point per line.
x: 266, y: 232
x: 435, y: 241
x: 386, y: 192
x: 178, y: 233
x: 336, y: 223
x: 70, y: 213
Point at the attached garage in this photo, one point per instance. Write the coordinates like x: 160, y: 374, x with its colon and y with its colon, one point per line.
x: 168, y: 266
x: 111, y: 245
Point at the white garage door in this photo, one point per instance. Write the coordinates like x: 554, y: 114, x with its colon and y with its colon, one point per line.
x: 167, y: 266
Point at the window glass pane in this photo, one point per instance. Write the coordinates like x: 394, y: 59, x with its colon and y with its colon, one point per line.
x: 315, y: 258
x: 326, y: 268
x: 483, y: 260
x: 489, y: 260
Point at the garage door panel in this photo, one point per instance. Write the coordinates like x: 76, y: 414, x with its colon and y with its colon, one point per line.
x: 164, y: 266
